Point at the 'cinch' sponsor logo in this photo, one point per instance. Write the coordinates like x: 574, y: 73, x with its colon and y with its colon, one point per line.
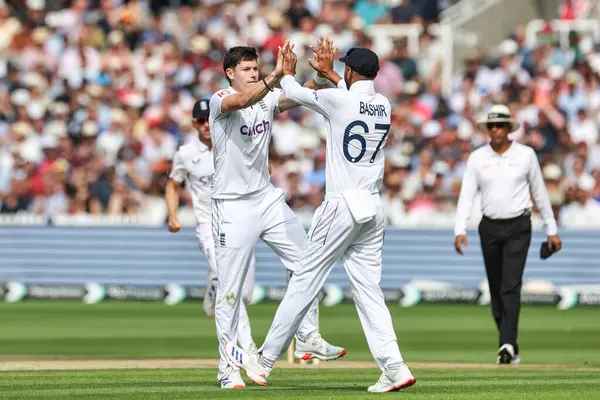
x: 257, y: 129
x: 204, y: 180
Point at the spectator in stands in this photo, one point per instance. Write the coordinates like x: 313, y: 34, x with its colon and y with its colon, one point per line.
x: 583, y: 129
x: 401, y: 58
x: 297, y: 12
x: 573, y: 9
x: 403, y: 13
x: 552, y: 178
x: 370, y: 11
x: 585, y: 210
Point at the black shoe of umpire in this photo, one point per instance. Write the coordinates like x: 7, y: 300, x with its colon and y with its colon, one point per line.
x: 506, y: 355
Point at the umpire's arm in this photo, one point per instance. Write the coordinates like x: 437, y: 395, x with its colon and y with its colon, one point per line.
x: 540, y: 194
x: 466, y: 198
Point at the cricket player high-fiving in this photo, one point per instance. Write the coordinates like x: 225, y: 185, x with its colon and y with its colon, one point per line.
x: 246, y: 206
x: 193, y: 163
x: 350, y: 222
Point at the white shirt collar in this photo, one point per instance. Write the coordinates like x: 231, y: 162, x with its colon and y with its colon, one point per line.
x: 199, y: 145
x: 365, y: 86
x: 510, y: 153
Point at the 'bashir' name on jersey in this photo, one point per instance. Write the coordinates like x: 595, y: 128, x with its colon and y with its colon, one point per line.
x: 241, y: 145
x: 193, y: 162
x: 357, y: 121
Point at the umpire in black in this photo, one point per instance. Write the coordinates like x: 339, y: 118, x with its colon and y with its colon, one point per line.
x: 506, y: 174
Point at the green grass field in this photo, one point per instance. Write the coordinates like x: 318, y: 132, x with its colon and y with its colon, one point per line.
x: 560, y: 351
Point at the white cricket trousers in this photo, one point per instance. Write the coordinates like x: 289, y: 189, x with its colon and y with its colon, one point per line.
x: 207, y: 244
x: 237, y: 226
x: 333, y: 235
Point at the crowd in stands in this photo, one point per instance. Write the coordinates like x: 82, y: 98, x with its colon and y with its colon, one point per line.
x: 96, y: 96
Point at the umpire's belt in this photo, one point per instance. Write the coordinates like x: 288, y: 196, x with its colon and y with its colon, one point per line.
x: 526, y: 214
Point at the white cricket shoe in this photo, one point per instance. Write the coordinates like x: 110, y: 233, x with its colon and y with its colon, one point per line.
x: 232, y: 379
x: 248, y: 362
x: 393, y: 380
x: 210, y: 296
x: 317, y: 347
x: 251, y: 349
x: 506, y: 355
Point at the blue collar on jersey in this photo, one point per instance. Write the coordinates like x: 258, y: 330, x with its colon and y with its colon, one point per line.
x: 363, y: 87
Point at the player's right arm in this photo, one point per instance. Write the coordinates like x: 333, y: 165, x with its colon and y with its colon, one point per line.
x: 252, y: 95
x: 172, y: 198
x: 255, y: 92
x: 176, y: 177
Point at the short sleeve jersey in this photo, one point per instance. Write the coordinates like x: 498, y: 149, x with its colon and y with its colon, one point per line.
x: 193, y: 163
x: 241, y: 145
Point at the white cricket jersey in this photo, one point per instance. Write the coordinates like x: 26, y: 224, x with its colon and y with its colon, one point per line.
x: 193, y: 162
x: 357, y: 122
x: 506, y: 182
x: 241, y: 145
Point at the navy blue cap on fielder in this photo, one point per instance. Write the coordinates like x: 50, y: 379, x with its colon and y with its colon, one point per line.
x: 201, y: 109
x: 363, y: 61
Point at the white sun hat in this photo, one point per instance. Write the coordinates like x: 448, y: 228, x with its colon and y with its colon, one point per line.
x: 499, y: 113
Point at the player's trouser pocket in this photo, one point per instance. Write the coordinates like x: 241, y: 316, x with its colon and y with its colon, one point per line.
x: 322, y: 220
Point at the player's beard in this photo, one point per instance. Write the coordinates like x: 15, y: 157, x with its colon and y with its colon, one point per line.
x: 347, y: 77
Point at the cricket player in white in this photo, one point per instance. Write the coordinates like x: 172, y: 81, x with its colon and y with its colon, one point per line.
x: 246, y: 206
x: 350, y: 222
x: 193, y: 163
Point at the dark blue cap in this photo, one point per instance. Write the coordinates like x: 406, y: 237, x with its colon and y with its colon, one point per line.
x: 362, y: 61
x: 201, y: 109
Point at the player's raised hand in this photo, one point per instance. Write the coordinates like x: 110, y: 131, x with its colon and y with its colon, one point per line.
x: 323, y: 56
x: 289, y: 60
x: 279, y: 66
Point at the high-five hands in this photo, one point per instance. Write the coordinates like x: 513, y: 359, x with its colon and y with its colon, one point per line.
x: 289, y: 59
x: 279, y: 66
x: 323, y: 56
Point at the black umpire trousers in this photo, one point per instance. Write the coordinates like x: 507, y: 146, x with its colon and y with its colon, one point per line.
x: 505, y: 244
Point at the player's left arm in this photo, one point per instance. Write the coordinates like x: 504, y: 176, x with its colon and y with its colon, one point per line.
x: 286, y: 104
x: 322, y: 101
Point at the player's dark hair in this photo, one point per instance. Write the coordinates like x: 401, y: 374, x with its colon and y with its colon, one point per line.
x: 236, y: 55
